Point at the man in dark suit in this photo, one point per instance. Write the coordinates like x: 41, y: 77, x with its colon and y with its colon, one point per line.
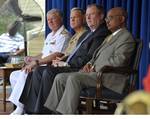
x: 116, y: 50
x: 41, y: 84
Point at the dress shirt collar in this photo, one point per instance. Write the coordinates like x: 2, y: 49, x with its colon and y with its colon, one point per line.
x: 116, y: 31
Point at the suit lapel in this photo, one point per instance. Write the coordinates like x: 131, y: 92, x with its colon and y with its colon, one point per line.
x: 114, y: 38
x: 106, y: 44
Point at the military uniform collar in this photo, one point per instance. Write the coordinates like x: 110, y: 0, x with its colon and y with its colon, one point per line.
x: 60, y: 30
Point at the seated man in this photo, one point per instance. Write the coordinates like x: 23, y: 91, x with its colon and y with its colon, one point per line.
x: 54, y: 46
x: 38, y: 86
x: 116, y: 50
x: 11, y: 43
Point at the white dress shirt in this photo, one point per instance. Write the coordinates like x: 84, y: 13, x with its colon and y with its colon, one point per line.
x: 11, y: 43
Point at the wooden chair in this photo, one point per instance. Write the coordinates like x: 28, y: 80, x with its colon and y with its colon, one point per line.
x: 97, y: 101
x: 4, y: 75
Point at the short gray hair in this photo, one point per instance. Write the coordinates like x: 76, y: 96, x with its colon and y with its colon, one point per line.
x: 78, y: 9
x: 55, y: 11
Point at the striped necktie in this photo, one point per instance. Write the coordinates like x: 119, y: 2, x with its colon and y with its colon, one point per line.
x: 109, y: 38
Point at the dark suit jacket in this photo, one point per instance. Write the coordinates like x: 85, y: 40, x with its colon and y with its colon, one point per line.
x: 86, y: 50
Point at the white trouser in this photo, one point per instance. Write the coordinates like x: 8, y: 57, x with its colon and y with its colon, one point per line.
x: 17, y: 81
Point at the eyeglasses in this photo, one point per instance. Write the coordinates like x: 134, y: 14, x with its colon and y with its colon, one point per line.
x: 109, y: 18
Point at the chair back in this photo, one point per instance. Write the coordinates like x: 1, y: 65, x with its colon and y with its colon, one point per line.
x: 135, y: 64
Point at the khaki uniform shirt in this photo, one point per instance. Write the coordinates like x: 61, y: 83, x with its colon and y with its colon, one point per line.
x: 73, y: 42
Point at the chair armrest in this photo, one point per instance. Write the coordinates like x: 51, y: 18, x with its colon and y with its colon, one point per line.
x: 110, y: 69
x: 118, y: 70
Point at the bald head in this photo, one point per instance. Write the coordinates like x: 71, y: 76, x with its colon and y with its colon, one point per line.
x: 116, y: 18
x: 119, y: 11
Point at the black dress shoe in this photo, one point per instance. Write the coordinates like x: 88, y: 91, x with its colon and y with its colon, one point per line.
x: 56, y: 113
x: 44, y: 110
x: 28, y: 112
x: 48, y: 111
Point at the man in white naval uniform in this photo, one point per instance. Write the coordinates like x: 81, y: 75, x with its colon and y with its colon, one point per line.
x: 54, y: 46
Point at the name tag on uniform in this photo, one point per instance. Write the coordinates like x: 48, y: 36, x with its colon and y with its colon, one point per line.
x: 53, y: 42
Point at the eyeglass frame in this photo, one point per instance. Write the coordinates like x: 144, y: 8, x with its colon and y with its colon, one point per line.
x: 109, y: 18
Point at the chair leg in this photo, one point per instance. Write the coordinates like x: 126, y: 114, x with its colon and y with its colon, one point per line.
x: 4, y: 95
x: 89, y: 106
